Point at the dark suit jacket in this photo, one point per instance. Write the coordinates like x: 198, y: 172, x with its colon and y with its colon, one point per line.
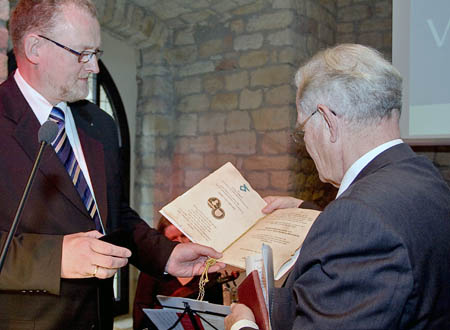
x: 378, y: 257
x: 32, y: 294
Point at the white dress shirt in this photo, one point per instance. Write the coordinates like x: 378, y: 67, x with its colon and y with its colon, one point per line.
x: 358, y: 166
x: 42, y: 108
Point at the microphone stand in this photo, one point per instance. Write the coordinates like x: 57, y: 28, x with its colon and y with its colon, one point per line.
x: 191, y: 313
x: 15, y: 222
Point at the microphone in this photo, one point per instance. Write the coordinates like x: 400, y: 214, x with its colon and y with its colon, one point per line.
x: 47, y: 133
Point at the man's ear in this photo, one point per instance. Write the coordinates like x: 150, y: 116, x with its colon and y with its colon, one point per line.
x: 332, y: 121
x: 31, y: 45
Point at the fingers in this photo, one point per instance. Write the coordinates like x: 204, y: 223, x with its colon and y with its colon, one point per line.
x: 83, y: 255
x: 280, y: 202
x: 109, y: 249
x: 238, y: 312
x: 92, y: 233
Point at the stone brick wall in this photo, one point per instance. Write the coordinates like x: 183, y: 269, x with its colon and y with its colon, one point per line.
x: 4, y: 16
x: 221, y: 89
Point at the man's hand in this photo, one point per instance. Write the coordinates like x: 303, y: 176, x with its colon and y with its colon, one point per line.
x: 280, y: 202
x: 188, y: 259
x: 84, y: 255
x: 238, y: 312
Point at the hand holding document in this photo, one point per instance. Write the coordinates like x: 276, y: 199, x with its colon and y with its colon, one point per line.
x: 224, y: 212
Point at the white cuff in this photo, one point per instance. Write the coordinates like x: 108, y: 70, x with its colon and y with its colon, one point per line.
x: 244, y: 323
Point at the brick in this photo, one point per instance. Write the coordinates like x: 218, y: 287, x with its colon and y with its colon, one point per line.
x: 383, y: 9
x: 192, y: 177
x: 213, y: 123
x: 345, y: 28
x: 288, y: 55
x: 182, y: 55
x: 275, y: 143
x: 319, y: 14
x: 254, y: 59
x: 241, y: 143
x: 269, y: 162
x: 154, y: 124
x: 225, y: 101
x: 192, y: 161
x: 188, y: 86
x: 152, y: 55
x: 376, y: 25
x: 213, y: 83
x: 194, y: 103
x: 211, y: 47
x: 184, y: 37
x: 214, y: 161
x: 155, y: 86
x: 237, y: 26
x: 273, y: 21
x: 282, y: 38
x: 143, y: 194
x: 353, y: 13
x: 145, y: 176
x: 154, y: 70
x: 196, y: 68
x: 236, y: 80
x: 283, y: 4
x: 372, y: 39
x: 145, y: 145
x: 196, y: 144
x: 280, y: 95
x: 177, y: 177
x: 281, y: 179
x: 253, y: 7
x: 237, y: 121
x: 226, y: 65
x: 249, y: 41
x: 271, y: 76
x: 3, y: 39
x: 186, y: 125
x: 272, y: 118
x: 250, y: 99
x: 258, y: 180
x: 145, y: 161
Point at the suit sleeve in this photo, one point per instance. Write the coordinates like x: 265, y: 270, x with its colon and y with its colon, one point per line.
x: 353, y: 269
x: 33, y: 263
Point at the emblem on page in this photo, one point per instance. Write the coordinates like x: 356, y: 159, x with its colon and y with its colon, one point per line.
x: 215, y: 204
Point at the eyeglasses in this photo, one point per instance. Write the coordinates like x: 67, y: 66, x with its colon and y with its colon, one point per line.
x: 83, y: 57
x: 299, y: 132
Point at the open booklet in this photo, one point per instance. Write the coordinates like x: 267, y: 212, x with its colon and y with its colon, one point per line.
x: 224, y: 212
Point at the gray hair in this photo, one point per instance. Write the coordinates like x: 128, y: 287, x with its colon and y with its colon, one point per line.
x: 40, y: 16
x: 354, y: 81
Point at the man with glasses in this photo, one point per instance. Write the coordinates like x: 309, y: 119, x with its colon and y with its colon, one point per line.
x: 58, y: 273
x: 378, y: 256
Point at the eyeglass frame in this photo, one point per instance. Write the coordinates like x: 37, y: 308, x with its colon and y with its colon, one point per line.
x: 98, y: 53
x: 299, y: 132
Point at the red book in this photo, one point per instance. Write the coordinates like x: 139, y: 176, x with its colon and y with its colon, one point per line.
x: 250, y: 293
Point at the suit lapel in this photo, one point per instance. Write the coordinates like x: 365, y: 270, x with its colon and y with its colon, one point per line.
x: 26, y: 135
x: 94, y: 156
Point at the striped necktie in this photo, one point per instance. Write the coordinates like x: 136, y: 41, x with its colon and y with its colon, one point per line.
x: 66, y: 155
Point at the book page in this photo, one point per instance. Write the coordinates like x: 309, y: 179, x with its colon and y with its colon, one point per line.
x: 217, y: 210
x: 283, y: 230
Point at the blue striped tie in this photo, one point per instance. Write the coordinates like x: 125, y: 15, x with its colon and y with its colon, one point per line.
x: 66, y: 155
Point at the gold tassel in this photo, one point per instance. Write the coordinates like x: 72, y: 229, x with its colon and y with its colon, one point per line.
x: 204, y: 278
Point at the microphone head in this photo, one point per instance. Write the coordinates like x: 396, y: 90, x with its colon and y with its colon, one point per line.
x: 48, y: 131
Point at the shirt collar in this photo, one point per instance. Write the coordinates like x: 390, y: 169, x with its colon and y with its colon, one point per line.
x: 40, y: 106
x: 358, y: 166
